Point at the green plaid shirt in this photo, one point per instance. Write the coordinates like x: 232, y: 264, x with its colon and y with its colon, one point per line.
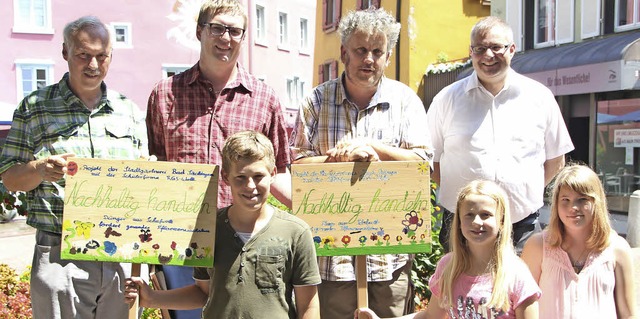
x: 54, y: 121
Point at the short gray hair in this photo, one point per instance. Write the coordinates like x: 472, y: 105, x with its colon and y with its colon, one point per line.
x: 484, y: 26
x: 370, y: 21
x: 84, y: 23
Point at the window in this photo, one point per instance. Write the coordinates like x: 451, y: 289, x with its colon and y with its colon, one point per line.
x: 261, y: 32
x: 553, y: 22
x: 283, y: 35
x: 173, y: 69
x: 304, y: 35
x: 331, y: 14
x: 590, y: 19
x: 327, y: 71
x: 32, y: 75
x: 122, y: 35
x: 295, y: 91
x: 32, y: 16
x: 627, y: 15
x: 366, y: 4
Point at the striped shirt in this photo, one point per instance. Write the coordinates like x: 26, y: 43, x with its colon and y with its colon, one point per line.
x: 53, y: 121
x: 188, y: 122
x: 395, y: 116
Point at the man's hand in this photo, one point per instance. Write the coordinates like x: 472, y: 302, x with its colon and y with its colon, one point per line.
x: 356, y: 150
x: 53, y: 168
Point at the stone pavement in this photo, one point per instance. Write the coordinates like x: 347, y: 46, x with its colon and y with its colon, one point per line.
x: 17, y: 240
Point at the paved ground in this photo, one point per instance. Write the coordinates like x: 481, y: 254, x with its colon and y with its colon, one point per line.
x: 17, y: 241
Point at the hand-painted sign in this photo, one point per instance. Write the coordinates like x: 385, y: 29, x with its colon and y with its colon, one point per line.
x: 140, y: 212
x: 364, y: 208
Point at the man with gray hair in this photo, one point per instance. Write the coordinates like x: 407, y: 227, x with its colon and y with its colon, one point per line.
x: 363, y: 116
x: 497, y: 125
x: 77, y: 116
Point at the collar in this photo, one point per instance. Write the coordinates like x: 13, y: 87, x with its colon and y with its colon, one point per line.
x: 382, y: 96
x: 71, y: 99
x: 474, y: 82
x: 243, y: 79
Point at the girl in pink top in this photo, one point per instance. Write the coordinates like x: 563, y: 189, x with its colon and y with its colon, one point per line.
x: 482, y: 277
x: 582, y: 266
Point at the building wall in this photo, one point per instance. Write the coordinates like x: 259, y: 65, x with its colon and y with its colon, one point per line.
x: 429, y: 28
x: 163, y: 33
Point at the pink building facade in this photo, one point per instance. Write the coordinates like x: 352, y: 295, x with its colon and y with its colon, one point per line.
x: 153, y: 39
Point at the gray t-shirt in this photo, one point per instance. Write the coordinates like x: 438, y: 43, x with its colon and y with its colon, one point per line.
x: 255, y: 279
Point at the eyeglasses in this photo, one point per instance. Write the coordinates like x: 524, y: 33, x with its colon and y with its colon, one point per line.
x: 497, y: 49
x: 217, y: 30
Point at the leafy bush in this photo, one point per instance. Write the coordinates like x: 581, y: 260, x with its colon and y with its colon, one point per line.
x: 424, y: 264
x: 15, y: 300
x: 11, y: 203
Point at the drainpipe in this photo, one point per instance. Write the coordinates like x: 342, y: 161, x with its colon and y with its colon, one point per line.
x: 398, y: 18
x: 633, y: 222
x: 249, y: 34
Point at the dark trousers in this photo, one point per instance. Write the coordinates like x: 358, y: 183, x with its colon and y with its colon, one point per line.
x: 522, y: 230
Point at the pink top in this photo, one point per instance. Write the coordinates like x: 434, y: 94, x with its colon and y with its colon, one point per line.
x: 570, y: 295
x: 473, y: 292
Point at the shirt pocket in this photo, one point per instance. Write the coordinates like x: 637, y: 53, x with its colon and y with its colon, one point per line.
x: 269, y: 271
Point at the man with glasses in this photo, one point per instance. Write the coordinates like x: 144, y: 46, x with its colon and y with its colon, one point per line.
x: 497, y: 125
x: 191, y: 114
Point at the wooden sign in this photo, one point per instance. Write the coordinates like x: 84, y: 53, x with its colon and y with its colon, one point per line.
x: 140, y: 212
x: 364, y: 208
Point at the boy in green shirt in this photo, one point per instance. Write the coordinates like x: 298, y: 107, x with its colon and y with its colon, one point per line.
x: 262, y: 255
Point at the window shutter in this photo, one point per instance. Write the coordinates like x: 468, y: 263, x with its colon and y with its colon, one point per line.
x: 337, y: 12
x: 325, y: 23
x: 334, y: 69
x: 321, y: 74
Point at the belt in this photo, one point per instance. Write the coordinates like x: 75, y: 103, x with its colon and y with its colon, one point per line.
x: 45, y: 238
x: 529, y: 220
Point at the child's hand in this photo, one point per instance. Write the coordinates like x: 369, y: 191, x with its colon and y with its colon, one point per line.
x: 365, y: 313
x: 136, y: 287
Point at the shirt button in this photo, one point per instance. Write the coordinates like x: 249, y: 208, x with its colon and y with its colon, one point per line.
x: 242, y: 264
x: 244, y: 249
x: 210, y: 89
x: 240, y: 278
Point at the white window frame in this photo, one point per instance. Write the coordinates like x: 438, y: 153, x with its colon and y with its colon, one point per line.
x: 590, y: 18
x: 283, y: 30
x: 174, y: 68
x: 635, y: 24
x: 22, y: 26
x: 128, y: 35
x: 22, y: 64
x: 515, y: 18
x: 295, y: 90
x: 260, y: 37
x: 305, y: 48
x: 558, y: 34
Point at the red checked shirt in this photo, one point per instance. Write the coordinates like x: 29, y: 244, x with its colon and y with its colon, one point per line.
x: 187, y: 122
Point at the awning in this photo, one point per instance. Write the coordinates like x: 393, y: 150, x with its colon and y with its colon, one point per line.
x: 610, y: 63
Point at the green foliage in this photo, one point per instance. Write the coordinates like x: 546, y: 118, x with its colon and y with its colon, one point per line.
x: 10, y: 201
x: 425, y: 264
x: 15, y: 300
x: 442, y: 57
x: 274, y: 202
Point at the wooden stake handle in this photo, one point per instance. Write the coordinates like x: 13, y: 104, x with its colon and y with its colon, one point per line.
x: 133, y: 309
x: 361, y: 283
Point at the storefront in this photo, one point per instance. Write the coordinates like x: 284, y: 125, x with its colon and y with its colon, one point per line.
x: 597, y: 84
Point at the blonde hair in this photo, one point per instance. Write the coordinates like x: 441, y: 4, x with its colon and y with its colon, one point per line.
x: 502, y: 254
x: 212, y: 8
x: 585, y: 181
x: 247, y: 145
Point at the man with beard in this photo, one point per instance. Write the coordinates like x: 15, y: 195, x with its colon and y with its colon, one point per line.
x: 363, y: 116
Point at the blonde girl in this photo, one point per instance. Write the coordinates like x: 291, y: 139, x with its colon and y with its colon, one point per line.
x: 582, y: 266
x: 481, y: 277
